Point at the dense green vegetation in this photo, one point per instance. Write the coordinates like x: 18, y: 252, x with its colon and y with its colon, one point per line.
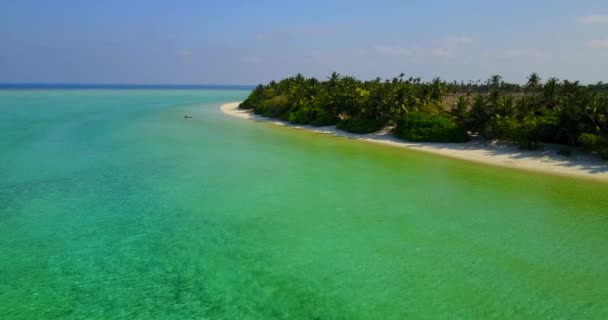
x: 561, y: 112
x: 418, y: 126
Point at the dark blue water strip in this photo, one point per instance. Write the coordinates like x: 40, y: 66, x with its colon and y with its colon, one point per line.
x: 77, y: 86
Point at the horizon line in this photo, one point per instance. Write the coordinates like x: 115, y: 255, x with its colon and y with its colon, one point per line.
x: 17, y: 85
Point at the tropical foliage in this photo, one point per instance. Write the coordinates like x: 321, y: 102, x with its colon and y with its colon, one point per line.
x: 562, y: 112
x: 418, y: 126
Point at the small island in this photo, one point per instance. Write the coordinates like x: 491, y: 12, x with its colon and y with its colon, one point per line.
x: 555, y: 127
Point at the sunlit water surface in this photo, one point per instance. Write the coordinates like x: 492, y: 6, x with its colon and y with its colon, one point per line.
x: 113, y: 206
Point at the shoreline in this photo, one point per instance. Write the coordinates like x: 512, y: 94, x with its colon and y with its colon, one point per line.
x: 499, y: 154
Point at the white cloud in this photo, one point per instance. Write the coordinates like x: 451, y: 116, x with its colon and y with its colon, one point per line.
x: 597, y: 44
x: 523, y: 53
x: 321, y: 30
x: 594, y: 19
x: 358, y: 52
x: 184, y: 54
x: 392, y: 50
x: 314, y: 57
x: 326, y: 58
x: 458, y: 41
x: 261, y: 37
x: 443, y: 48
x: 442, y: 52
x: 281, y: 34
x: 514, y: 54
x: 254, y: 60
x: 447, y: 47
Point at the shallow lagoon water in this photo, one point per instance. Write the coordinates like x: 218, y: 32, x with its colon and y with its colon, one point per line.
x: 112, y: 206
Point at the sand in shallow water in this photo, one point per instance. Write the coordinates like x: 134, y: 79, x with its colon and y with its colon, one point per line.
x: 547, y: 161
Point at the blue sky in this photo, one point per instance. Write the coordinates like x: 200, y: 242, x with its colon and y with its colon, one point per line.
x: 248, y: 42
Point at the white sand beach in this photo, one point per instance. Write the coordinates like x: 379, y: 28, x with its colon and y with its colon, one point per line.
x: 548, y: 160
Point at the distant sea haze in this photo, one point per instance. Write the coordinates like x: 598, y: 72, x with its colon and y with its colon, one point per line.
x: 80, y: 86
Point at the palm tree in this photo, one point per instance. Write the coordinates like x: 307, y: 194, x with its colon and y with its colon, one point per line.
x: 533, y: 82
x: 560, y: 112
x: 333, y: 78
x: 401, y: 75
x: 437, y: 89
x: 551, y: 94
x: 495, y: 81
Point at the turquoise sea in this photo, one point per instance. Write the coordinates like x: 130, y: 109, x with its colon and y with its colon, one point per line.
x: 113, y: 206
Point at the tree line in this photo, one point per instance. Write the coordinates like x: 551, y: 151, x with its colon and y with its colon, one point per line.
x: 561, y: 112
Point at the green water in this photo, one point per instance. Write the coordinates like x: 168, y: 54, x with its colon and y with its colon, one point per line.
x: 112, y: 206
